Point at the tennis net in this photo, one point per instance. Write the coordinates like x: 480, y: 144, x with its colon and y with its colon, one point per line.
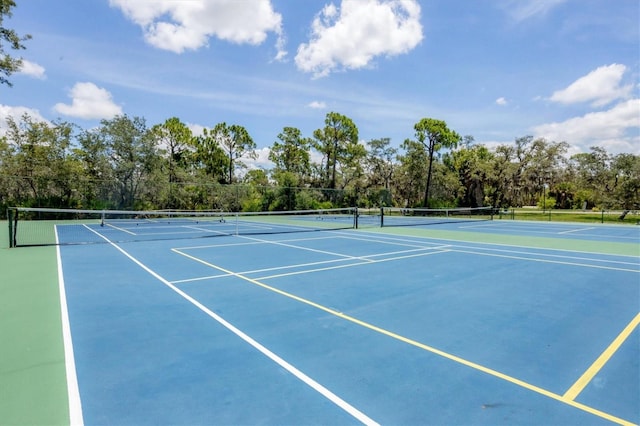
x: 42, y: 226
x: 390, y: 216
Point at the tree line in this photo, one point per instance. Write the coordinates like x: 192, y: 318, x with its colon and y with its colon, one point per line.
x: 126, y: 164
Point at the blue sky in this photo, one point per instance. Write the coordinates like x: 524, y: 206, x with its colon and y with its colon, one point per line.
x: 566, y: 70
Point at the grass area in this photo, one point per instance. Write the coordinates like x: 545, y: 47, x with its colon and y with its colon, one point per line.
x: 606, y: 216
x: 32, y: 371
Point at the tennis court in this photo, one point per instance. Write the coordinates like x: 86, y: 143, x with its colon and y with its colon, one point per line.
x: 468, y: 322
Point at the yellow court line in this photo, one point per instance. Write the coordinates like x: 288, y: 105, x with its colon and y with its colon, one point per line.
x: 604, y: 357
x: 417, y: 344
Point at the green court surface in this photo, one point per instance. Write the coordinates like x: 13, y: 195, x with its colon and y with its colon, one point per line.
x: 33, y: 387
x: 32, y: 369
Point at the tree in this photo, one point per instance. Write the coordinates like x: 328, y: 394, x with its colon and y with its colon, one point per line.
x: 501, y: 191
x: 592, y: 175
x: 210, y: 156
x: 292, y: 153
x: 434, y: 135
x: 292, y: 167
x: 97, y: 185
x: 236, y: 142
x: 411, y: 174
x: 42, y: 169
x: 173, y: 138
x: 336, y: 143
x: 133, y: 157
x: 380, y: 163
x: 625, y: 169
x: 471, y: 165
x: 9, y: 64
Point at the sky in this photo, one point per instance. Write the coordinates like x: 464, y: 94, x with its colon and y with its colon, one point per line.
x: 497, y: 70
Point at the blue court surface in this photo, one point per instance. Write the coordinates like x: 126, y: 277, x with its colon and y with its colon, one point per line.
x: 354, y: 326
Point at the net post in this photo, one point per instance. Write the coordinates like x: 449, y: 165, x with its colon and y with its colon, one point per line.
x: 14, y: 234
x: 10, y: 220
x: 355, y: 217
x: 381, y: 217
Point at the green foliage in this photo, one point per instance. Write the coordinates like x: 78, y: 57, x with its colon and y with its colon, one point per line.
x: 8, y: 63
x: 434, y: 135
x: 235, y: 141
x: 124, y: 164
x: 546, y: 203
x: 209, y: 157
x: 338, y: 143
x: 291, y: 154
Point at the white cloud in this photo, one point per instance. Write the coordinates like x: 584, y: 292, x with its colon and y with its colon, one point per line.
x: 521, y: 10
x: 317, y: 105
x: 32, y: 69
x: 196, y: 129
x: 187, y: 25
x: 501, y: 101
x: 615, y: 129
x: 16, y: 113
x: 351, y: 36
x: 261, y: 161
x: 600, y: 87
x: 89, y: 102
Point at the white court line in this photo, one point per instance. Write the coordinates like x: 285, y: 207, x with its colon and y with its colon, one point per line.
x: 120, y: 229
x: 369, y: 260
x: 576, y: 230
x: 207, y: 231
x: 548, y: 230
x: 405, y: 244
x: 350, y: 265
x: 279, y: 243
x: 277, y: 268
x: 483, y: 225
x: 456, y: 243
x: 248, y: 339
x: 534, y: 256
x: 302, y: 265
x: 190, y: 280
x: 73, y: 391
x: 250, y: 243
x: 530, y: 259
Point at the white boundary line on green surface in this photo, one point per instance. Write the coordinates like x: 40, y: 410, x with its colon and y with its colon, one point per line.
x: 73, y: 391
x: 478, y: 245
x: 576, y: 230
